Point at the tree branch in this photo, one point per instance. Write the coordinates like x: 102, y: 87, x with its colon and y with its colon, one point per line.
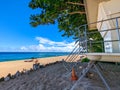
x: 75, y: 3
x: 76, y: 12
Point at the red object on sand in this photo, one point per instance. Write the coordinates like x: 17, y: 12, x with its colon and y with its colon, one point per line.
x: 74, y: 76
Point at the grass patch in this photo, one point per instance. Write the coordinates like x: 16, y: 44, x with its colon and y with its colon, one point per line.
x: 85, y: 60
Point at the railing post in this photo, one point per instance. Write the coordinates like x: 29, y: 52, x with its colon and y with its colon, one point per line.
x: 90, y: 41
x: 86, y: 44
x: 102, y: 46
x: 117, y: 28
x: 118, y: 32
x: 79, y: 38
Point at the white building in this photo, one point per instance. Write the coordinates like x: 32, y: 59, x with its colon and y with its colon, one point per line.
x: 98, y: 10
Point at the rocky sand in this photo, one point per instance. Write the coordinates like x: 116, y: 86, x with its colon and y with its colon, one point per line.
x: 55, y: 77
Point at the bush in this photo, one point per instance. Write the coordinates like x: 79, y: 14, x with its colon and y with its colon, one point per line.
x: 85, y: 60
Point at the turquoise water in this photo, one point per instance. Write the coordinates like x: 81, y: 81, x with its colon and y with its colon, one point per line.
x: 10, y: 56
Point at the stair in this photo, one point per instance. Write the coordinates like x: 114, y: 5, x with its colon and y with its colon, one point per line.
x: 74, y: 57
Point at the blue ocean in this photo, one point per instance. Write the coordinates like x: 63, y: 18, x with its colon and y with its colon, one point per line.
x: 10, y: 56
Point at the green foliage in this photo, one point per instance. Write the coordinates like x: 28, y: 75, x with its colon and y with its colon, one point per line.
x: 85, y: 60
x: 96, y: 44
x: 66, y: 13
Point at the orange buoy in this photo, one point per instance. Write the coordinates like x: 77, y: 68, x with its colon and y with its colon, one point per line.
x: 74, y: 76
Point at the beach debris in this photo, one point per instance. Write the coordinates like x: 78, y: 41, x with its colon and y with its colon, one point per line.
x: 47, y: 64
x: 74, y: 76
x: 6, y: 78
x: 28, y: 61
x: 90, y: 75
x: 9, y: 75
x: 53, y: 63
x: 60, y: 61
x: 17, y: 74
x: 36, y: 66
x: 31, y: 70
x: 63, y: 60
x: 32, y: 59
x: 24, y: 70
x: 1, y: 79
x: 27, y: 71
x: 41, y: 66
x: 12, y: 76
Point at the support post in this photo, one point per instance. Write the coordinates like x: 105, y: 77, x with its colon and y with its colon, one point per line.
x: 118, y: 32
x: 86, y: 43
x: 117, y: 28
x: 84, y: 71
x: 79, y: 38
x: 107, y: 86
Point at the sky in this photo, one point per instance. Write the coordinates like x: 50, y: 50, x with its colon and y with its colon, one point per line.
x: 17, y: 35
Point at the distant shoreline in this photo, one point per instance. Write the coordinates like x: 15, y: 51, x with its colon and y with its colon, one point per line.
x: 18, y: 56
x: 10, y: 60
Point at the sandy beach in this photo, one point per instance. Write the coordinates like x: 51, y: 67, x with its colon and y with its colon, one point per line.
x: 55, y: 76
x: 13, y: 66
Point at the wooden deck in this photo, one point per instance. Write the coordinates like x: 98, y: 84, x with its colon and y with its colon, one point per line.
x: 107, y: 57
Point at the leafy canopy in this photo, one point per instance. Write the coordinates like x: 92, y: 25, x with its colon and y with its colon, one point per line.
x: 69, y: 14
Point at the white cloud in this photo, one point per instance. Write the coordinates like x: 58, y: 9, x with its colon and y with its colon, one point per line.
x: 23, y: 48
x: 46, y: 45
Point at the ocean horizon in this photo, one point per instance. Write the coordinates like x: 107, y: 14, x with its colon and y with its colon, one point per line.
x: 13, y: 56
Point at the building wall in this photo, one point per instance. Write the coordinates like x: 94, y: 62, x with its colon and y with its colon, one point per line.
x: 91, y: 7
x: 111, y: 7
x: 106, y: 10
